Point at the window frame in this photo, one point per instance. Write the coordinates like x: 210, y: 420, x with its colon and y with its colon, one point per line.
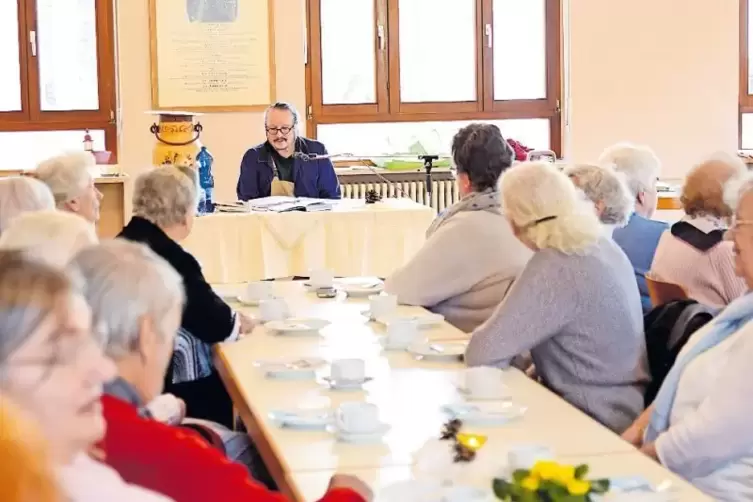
x: 32, y: 118
x: 745, y: 101
x: 388, y: 106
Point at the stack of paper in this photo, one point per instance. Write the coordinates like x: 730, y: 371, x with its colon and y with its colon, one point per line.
x: 281, y: 204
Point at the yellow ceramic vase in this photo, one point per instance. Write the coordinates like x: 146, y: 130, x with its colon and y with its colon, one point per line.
x: 177, y: 139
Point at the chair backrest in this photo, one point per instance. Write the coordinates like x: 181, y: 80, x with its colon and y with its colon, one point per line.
x: 667, y: 328
x: 662, y: 292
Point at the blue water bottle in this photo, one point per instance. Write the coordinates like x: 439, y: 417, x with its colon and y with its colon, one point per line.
x: 205, y: 160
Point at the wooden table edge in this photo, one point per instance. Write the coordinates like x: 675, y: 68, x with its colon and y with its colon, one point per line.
x: 255, y: 428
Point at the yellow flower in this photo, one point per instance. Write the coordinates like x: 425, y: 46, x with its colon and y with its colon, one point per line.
x: 546, y: 470
x: 530, y: 483
x: 578, y: 487
x: 565, y: 474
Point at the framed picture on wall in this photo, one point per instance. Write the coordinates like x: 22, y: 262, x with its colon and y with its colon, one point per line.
x: 212, y: 55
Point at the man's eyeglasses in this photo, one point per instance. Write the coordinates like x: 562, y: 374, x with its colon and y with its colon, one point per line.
x: 279, y: 130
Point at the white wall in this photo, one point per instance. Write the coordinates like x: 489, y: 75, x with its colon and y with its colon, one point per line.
x: 660, y: 72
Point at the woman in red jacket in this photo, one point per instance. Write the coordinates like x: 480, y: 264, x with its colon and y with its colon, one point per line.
x: 137, y: 300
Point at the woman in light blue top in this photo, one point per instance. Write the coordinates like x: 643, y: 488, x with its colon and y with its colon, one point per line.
x: 700, y: 423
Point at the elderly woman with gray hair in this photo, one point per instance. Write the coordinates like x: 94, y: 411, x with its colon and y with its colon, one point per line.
x: 164, y: 204
x: 20, y: 194
x: 639, y: 238
x: 137, y: 300
x: 470, y: 258
x: 69, y: 177
x: 52, y: 366
x: 575, y: 306
x: 607, y: 190
x: 52, y: 237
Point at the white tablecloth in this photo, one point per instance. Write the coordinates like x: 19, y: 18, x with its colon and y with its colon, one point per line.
x: 354, y: 239
x: 409, y: 394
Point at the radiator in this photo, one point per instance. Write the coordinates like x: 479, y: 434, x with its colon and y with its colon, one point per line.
x: 444, y: 193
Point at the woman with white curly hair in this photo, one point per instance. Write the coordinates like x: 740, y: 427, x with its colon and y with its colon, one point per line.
x: 575, y: 306
x: 21, y: 194
x: 52, y: 237
x: 607, y: 190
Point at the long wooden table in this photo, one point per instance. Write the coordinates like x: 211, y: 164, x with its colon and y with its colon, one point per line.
x: 409, y: 394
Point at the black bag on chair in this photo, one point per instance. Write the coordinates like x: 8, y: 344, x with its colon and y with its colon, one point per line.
x: 667, y: 328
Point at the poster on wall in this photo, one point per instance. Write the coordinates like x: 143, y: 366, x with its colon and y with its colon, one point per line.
x: 212, y: 55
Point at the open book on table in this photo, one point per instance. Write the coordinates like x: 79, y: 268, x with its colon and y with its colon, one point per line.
x: 282, y: 204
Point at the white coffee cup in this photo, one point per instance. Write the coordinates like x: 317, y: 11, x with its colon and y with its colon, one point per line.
x: 382, y: 305
x: 352, y: 370
x: 401, y: 334
x: 322, y: 278
x: 274, y: 309
x: 484, y: 382
x: 524, y: 456
x: 357, y: 417
x: 261, y: 290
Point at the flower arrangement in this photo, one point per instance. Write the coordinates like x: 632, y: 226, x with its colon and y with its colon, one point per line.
x: 549, y: 481
x: 520, y: 150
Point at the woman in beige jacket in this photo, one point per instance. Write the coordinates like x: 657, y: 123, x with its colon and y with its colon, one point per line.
x: 471, y: 257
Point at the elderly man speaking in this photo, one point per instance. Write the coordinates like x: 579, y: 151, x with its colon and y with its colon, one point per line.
x: 286, y: 164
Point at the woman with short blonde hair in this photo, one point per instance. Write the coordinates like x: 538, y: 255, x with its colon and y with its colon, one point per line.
x: 575, y: 306
x: 53, y: 237
x: 693, y: 252
x: 20, y: 194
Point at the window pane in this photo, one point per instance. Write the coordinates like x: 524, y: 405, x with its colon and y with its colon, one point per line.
x: 24, y: 150
x: 437, y: 51
x: 747, y: 131
x: 348, y: 51
x: 10, y: 76
x: 391, y: 138
x: 519, y: 49
x: 67, y: 55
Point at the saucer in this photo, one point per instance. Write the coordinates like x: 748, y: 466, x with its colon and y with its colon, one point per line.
x: 291, y: 369
x: 227, y: 293
x: 423, y: 321
x: 391, y: 347
x: 346, y: 384
x: 303, y: 419
x: 252, y: 302
x: 297, y: 326
x: 637, y: 488
x: 433, y: 491
x: 482, y: 414
x: 434, y: 351
x: 360, y: 286
x: 362, y: 437
x: 502, y: 394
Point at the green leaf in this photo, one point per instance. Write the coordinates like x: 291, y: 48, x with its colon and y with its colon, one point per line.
x: 581, y: 471
x: 520, y: 475
x: 502, y: 489
x: 599, y: 486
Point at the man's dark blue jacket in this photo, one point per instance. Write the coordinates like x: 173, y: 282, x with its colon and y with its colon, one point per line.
x: 312, y: 178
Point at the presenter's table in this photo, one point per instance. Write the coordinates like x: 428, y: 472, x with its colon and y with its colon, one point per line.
x: 409, y: 394
x: 354, y: 239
